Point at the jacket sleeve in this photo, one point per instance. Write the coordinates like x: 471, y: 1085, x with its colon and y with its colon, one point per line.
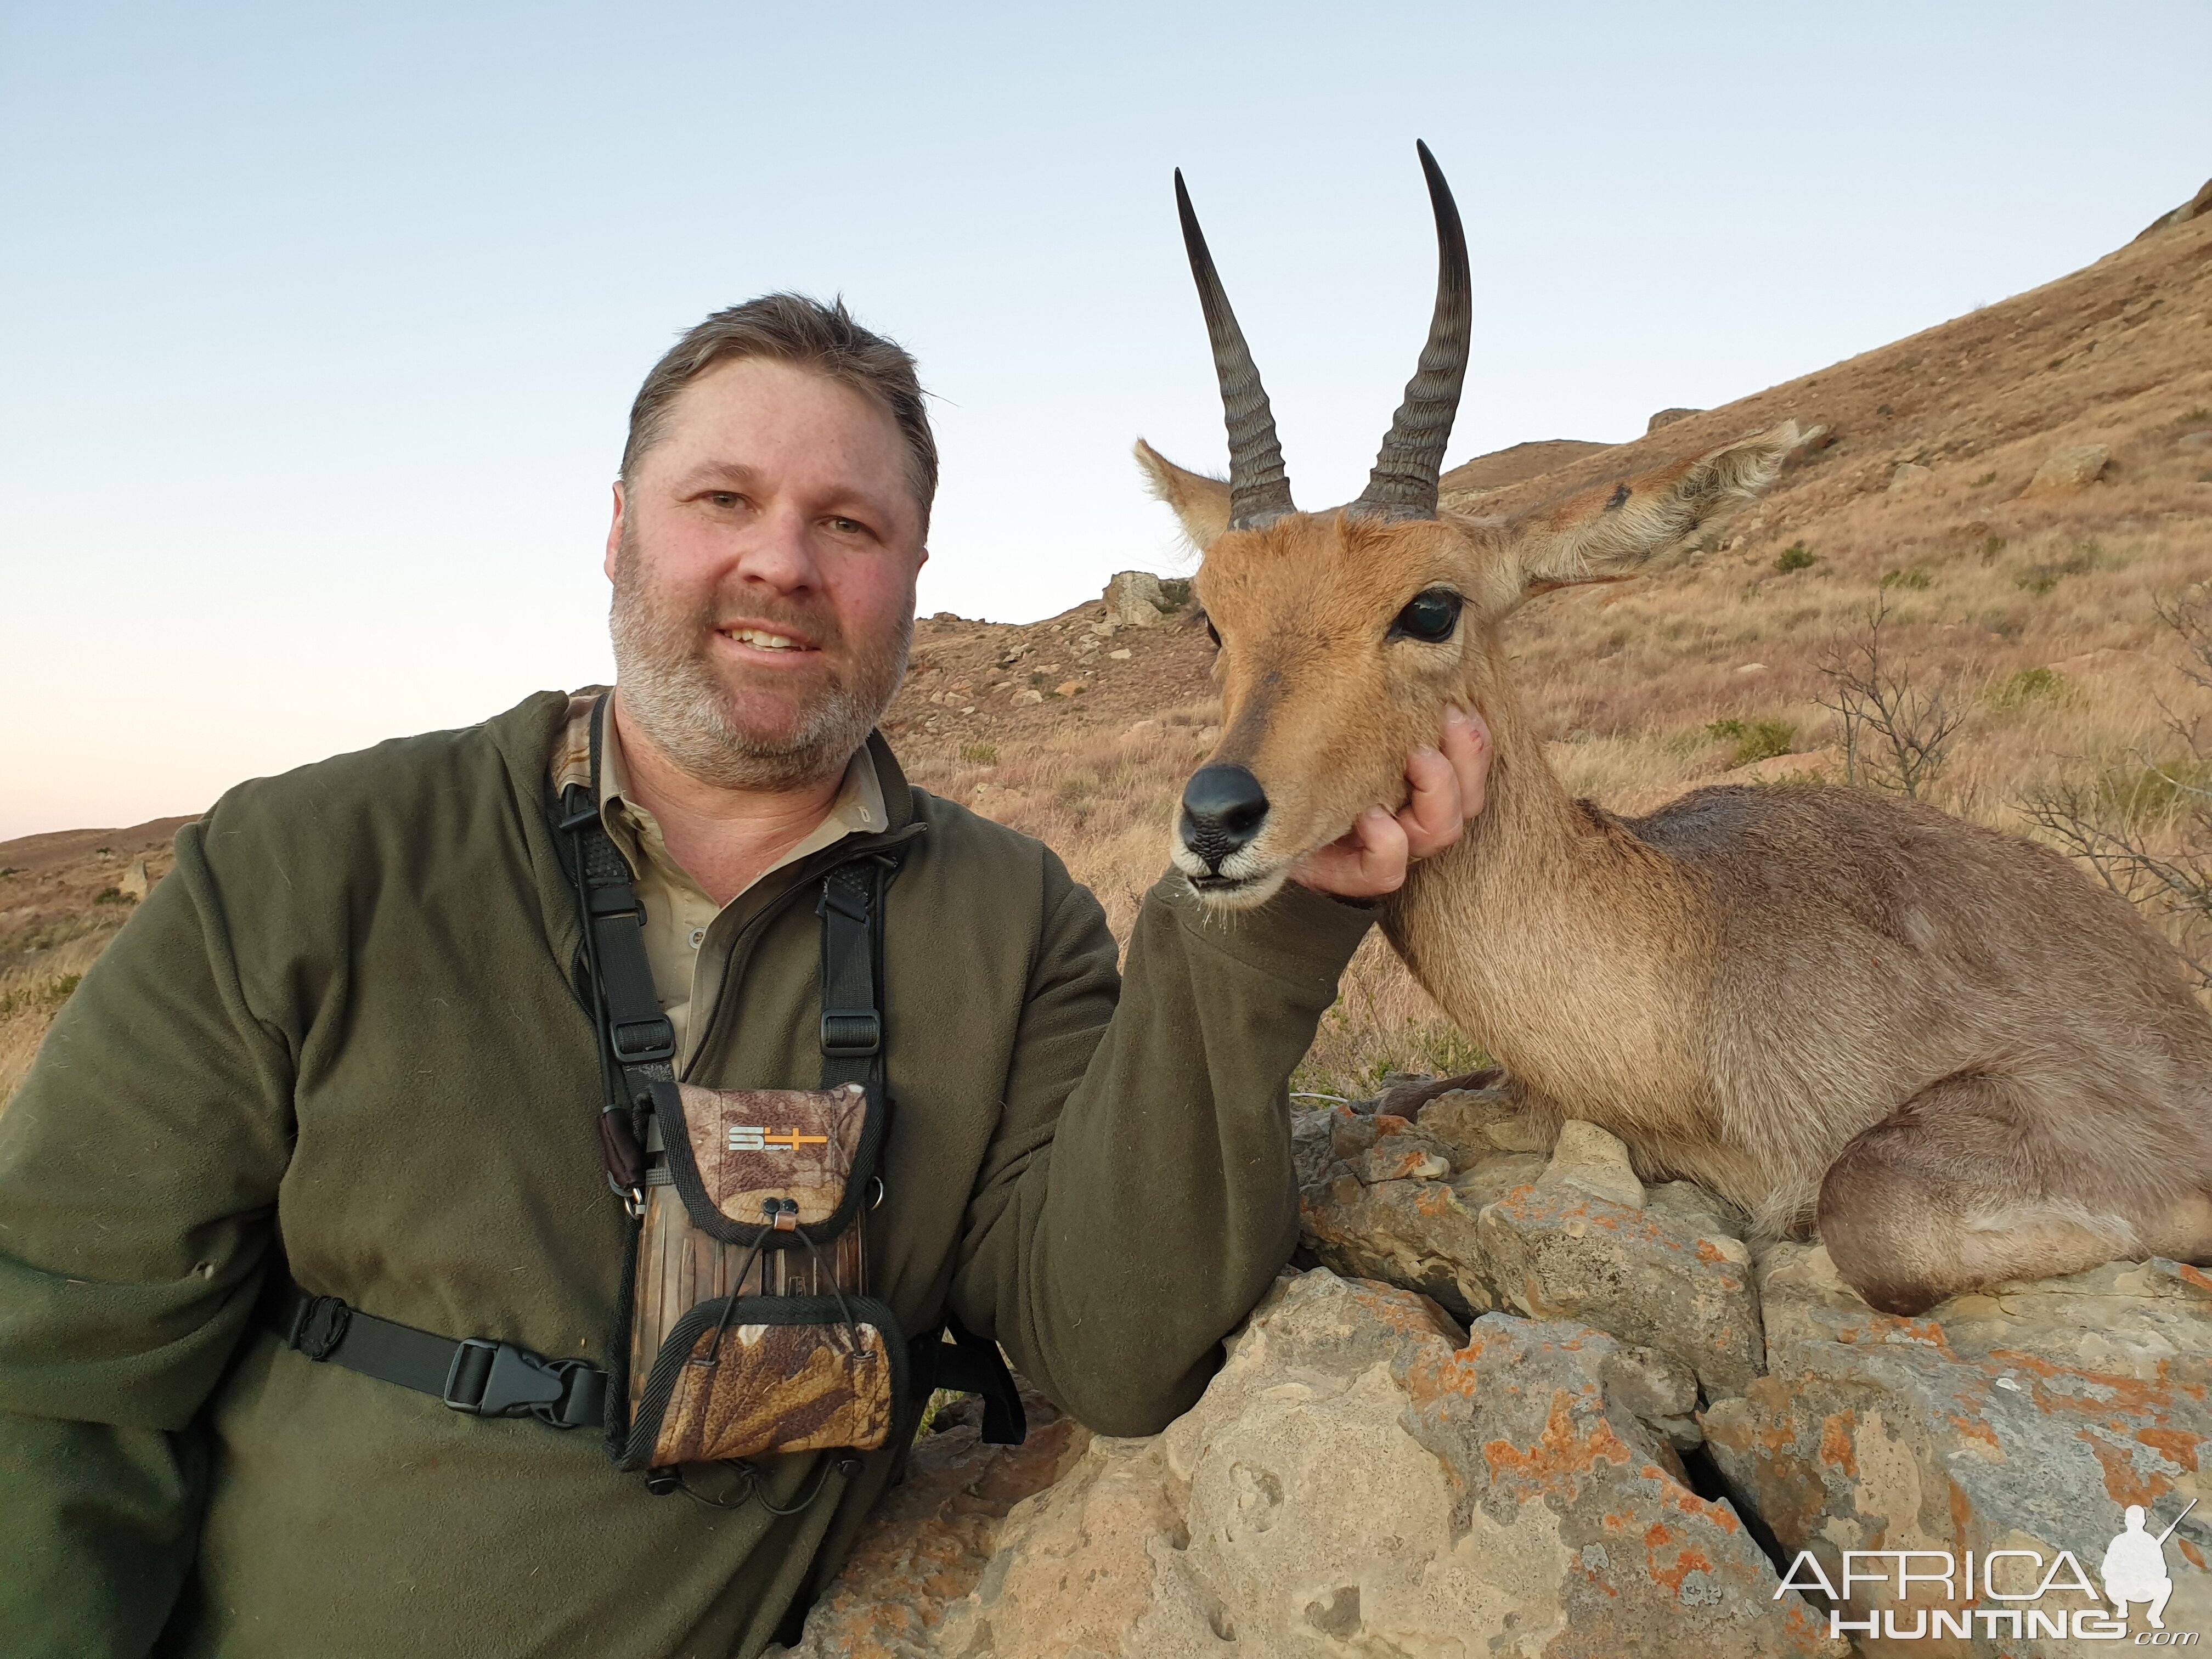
x: 138, y: 1170
x: 1138, y: 1197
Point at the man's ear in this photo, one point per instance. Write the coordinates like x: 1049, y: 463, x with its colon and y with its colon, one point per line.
x: 614, y: 530
x: 1609, y: 532
x: 1201, y: 503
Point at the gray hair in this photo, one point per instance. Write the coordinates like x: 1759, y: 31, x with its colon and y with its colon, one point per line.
x: 790, y: 328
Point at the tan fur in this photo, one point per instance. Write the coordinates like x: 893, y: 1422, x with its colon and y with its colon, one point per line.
x: 1968, y: 1062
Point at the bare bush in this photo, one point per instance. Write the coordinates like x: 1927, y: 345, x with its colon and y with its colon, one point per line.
x: 2148, y: 837
x: 1897, y: 731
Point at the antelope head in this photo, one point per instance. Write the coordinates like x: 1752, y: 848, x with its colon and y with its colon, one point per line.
x: 1344, y: 636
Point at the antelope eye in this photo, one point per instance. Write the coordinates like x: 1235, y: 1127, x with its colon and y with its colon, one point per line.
x: 1429, y: 617
x: 1213, y: 632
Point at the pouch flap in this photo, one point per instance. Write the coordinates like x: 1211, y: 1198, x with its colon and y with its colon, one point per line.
x: 741, y: 1156
x: 789, y: 1375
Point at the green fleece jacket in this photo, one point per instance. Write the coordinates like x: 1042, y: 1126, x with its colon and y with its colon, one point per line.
x: 348, y: 1022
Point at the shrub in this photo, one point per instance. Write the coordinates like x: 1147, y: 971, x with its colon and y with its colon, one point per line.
x: 1175, y: 590
x: 1991, y: 547
x: 1757, y: 740
x: 979, y: 754
x: 1795, y: 556
x: 2030, y: 685
x: 1986, y: 478
x: 1915, y: 578
x: 110, y: 896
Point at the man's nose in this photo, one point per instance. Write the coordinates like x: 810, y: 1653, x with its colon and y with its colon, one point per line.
x: 1223, y: 808
x: 779, y: 552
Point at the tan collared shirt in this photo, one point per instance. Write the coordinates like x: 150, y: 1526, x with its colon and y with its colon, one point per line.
x: 686, y: 942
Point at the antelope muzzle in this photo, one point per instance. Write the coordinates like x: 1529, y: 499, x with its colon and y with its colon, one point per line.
x: 1224, y: 810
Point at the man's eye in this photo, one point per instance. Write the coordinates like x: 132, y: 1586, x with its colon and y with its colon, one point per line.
x: 723, y: 498
x: 847, y: 526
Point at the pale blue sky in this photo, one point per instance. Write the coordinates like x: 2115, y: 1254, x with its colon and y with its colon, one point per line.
x: 317, y: 327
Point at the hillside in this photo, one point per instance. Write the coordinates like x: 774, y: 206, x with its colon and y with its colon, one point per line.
x: 2032, y: 609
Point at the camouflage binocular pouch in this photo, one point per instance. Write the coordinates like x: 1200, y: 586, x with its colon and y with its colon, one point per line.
x: 751, y: 1329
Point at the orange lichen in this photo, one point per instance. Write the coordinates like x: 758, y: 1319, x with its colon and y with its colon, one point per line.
x: 1560, y: 1454
x: 1836, y: 1449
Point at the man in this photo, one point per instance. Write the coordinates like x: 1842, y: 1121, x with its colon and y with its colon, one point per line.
x: 347, y: 1029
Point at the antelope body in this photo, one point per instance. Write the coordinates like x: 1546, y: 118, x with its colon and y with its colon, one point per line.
x: 1944, y: 1045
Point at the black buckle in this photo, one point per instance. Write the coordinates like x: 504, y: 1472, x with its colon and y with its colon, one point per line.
x: 851, y: 1033
x: 836, y: 897
x: 319, y: 1325
x: 509, y: 1381
x: 655, y: 1040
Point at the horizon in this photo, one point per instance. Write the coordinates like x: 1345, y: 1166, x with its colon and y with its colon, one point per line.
x: 315, y: 366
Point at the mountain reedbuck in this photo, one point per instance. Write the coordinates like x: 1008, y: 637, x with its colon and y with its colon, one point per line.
x: 1965, y: 1062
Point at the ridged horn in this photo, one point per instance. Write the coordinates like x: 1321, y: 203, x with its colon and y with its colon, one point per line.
x: 1403, y: 485
x: 1259, y: 492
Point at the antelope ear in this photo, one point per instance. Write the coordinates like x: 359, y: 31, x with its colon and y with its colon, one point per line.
x: 1201, y: 503
x: 1609, y: 532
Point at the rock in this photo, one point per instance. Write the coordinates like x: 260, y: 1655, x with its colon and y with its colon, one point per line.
x: 1373, y: 1204
x: 1668, y: 417
x: 1751, y: 668
x: 1908, y: 474
x: 2199, y: 203
x: 133, y: 884
x: 1661, y: 1277
x: 1134, y: 599
x: 1352, y: 1484
x: 2074, y: 467
x: 1032, y: 695
x: 928, y: 1543
x: 1071, y: 688
x: 1477, y: 1123
x: 1893, y: 1442
x: 1591, y: 1159
x: 1121, y: 655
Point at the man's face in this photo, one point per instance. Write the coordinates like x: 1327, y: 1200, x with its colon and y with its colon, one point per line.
x: 764, y: 558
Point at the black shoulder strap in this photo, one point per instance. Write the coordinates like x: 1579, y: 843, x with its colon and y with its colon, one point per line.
x: 637, y: 1043
x: 851, y: 909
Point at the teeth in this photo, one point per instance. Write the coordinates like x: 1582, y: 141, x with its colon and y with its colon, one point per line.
x: 765, y: 642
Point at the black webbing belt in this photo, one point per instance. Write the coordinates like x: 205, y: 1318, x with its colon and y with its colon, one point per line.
x: 478, y: 1376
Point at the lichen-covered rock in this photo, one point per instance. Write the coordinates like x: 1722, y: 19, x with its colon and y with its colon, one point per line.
x: 1893, y: 1442
x: 1482, y: 1122
x: 1375, y: 1202
x: 1669, y: 1277
x: 926, y: 1547
x: 1352, y: 1484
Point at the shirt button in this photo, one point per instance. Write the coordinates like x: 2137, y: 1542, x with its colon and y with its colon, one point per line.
x: 698, y: 937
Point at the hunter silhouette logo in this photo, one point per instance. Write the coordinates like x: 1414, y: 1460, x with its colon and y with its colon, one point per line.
x: 2135, y: 1566
x: 751, y: 1138
x: 1932, y: 1595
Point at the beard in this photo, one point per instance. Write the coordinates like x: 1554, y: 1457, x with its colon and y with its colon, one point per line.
x: 715, y: 731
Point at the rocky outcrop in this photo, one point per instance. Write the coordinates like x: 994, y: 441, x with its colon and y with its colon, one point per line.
x: 1526, y: 1403
x: 1358, y: 1481
x: 1134, y: 598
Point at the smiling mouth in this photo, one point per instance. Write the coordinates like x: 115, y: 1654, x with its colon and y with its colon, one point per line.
x: 761, y: 639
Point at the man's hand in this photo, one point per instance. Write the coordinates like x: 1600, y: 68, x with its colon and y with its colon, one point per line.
x: 1446, y: 794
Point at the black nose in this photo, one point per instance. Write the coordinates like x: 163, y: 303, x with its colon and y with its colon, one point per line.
x: 1223, y: 807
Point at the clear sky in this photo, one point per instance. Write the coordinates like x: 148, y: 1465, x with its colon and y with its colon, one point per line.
x: 319, y: 325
